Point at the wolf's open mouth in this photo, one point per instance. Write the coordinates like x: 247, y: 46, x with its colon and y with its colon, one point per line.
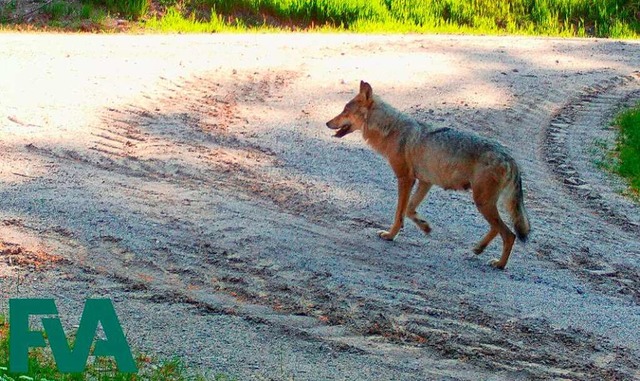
x: 343, y: 131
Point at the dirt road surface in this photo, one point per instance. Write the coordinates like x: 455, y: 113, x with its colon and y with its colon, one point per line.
x: 191, y: 179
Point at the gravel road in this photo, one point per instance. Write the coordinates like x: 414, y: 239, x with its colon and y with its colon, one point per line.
x: 192, y: 180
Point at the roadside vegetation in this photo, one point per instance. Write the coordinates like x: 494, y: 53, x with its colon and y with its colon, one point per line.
x: 627, y: 150
x: 43, y: 368
x: 597, y: 18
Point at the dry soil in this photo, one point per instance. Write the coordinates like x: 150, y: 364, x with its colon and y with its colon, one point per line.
x: 192, y: 180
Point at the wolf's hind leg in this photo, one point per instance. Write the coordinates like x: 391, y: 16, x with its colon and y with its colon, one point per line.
x: 414, y: 202
x: 485, y: 241
x: 485, y: 196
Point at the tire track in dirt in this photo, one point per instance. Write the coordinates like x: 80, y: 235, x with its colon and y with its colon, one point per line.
x: 211, y: 194
x: 600, y: 101
x: 569, y: 135
x: 462, y: 332
x: 207, y: 122
x: 31, y: 259
x: 194, y: 136
x: 572, y: 132
x: 197, y: 136
x: 622, y: 277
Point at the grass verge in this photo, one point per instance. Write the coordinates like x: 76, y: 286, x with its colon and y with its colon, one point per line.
x: 605, y: 18
x: 627, y: 150
x: 609, y: 18
x: 43, y: 368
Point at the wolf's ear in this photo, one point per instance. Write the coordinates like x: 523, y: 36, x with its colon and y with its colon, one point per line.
x: 365, y: 90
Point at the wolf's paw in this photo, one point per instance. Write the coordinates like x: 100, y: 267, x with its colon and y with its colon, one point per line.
x: 424, y: 226
x: 421, y: 223
x: 496, y: 263
x: 386, y: 235
x: 479, y: 249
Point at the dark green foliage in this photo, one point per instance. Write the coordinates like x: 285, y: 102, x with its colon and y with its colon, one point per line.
x: 58, y: 10
x: 6, y: 10
x: 628, y: 146
x: 129, y: 9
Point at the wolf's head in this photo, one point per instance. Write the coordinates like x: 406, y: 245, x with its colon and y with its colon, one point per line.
x: 354, y: 115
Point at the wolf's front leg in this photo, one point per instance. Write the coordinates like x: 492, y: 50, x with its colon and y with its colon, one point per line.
x: 404, y: 190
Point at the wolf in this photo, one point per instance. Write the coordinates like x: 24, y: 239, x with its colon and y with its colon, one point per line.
x: 451, y: 159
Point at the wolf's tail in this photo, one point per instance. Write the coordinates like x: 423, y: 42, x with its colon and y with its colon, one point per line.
x: 515, y: 204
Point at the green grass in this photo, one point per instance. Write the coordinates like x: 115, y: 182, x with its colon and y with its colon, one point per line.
x: 174, y: 21
x: 627, y: 148
x: 59, y: 9
x: 599, y: 18
x: 130, y: 9
x: 42, y: 367
x: 6, y: 11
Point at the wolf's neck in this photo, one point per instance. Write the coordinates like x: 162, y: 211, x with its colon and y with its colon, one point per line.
x: 385, y: 119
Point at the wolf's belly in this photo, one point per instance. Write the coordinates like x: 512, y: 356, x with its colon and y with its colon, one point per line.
x: 445, y: 175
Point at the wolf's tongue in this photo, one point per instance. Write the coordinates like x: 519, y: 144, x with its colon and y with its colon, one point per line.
x: 342, y: 132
